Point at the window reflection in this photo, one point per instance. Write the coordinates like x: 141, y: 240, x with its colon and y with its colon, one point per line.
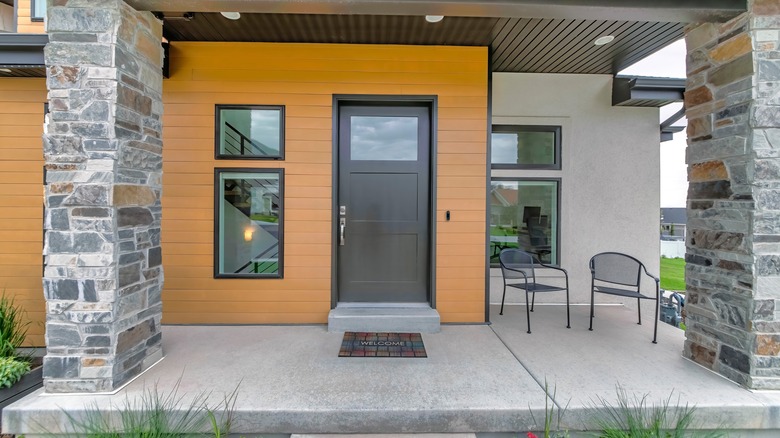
x: 383, y: 138
x: 251, y: 131
x: 248, y: 223
x: 524, y: 214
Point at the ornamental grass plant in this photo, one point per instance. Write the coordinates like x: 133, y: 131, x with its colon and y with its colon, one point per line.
x: 13, y: 326
x: 636, y: 417
x: 156, y: 414
x: 13, y: 330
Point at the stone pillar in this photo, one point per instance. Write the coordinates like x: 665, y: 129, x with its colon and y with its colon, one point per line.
x: 103, y: 150
x: 733, y: 249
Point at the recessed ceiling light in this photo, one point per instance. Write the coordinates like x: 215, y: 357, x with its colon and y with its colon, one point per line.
x: 434, y: 18
x: 5, y: 70
x: 231, y: 15
x: 606, y: 39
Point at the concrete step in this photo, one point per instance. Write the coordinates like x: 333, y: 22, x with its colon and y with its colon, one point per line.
x: 403, y: 319
x: 386, y: 435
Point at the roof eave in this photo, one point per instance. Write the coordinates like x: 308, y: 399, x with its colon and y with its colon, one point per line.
x: 657, y: 10
x: 652, y: 92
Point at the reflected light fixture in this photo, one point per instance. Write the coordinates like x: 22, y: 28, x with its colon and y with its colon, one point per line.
x: 5, y: 70
x: 231, y: 15
x: 248, y: 232
x: 434, y: 18
x: 606, y: 39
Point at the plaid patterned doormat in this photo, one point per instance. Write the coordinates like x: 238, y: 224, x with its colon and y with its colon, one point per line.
x: 359, y: 344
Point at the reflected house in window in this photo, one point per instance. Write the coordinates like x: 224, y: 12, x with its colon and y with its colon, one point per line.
x: 524, y: 214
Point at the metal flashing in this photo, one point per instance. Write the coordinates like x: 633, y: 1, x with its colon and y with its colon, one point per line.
x: 646, y: 91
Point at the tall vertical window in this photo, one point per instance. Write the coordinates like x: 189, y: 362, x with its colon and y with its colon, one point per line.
x: 526, y: 147
x: 249, y: 131
x: 524, y: 214
x: 525, y: 211
x: 248, y: 223
x: 37, y: 10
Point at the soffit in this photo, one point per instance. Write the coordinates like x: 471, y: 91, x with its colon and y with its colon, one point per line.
x: 529, y: 45
x: 21, y: 55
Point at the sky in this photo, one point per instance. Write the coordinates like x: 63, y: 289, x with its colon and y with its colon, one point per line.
x: 668, y: 62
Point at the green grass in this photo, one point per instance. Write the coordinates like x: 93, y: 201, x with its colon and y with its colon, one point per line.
x: 673, y: 274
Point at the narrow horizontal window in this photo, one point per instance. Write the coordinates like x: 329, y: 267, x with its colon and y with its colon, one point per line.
x: 248, y: 223
x: 526, y: 147
x: 249, y: 131
x: 524, y: 214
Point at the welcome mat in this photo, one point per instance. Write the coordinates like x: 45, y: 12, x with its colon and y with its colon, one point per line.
x: 371, y: 344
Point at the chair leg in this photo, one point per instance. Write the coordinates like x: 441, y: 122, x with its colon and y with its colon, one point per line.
x: 502, y: 300
x: 655, y: 327
x: 568, y: 318
x: 527, y: 312
x: 639, y: 310
x: 533, y: 299
x: 591, y: 308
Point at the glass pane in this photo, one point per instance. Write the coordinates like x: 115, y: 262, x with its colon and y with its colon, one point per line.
x: 523, y: 147
x: 250, y: 132
x: 383, y: 138
x: 524, y: 214
x: 38, y: 8
x: 249, y: 223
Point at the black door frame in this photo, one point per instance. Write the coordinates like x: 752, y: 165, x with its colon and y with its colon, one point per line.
x: 431, y: 102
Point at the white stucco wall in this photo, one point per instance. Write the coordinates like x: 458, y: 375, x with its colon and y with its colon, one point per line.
x: 610, y: 191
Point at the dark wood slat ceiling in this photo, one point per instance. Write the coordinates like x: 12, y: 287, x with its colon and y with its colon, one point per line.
x: 532, y: 45
x: 23, y: 72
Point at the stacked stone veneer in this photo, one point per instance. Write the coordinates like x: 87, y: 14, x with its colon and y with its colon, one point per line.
x: 733, y: 249
x: 103, y: 150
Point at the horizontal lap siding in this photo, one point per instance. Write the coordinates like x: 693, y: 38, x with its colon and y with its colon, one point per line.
x: 24, y: 23
x: 21, y: 197
x: 304, y: 78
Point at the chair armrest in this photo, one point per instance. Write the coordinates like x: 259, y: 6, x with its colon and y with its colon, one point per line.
x: 657, y: 280
x: 555, y: 267
x: 515, y: 270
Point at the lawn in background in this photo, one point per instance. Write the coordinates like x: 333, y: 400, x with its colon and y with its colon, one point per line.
x: 673, y: 274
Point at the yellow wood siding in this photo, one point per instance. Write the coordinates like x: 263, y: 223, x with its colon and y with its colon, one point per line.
x: 24, y: 23
x: 21, y: 197
x: 304, y: 78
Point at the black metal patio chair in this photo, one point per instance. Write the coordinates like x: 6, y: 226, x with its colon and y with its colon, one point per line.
x: 518, y: 269
x: 620, y: 274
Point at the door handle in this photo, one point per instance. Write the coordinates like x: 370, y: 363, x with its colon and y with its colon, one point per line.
x: 342, y: 228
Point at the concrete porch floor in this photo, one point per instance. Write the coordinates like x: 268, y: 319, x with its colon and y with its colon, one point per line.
x: 477, y: 378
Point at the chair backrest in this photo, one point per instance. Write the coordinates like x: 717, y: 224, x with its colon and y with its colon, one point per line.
x: 614, y: 267
x: 513, y: 260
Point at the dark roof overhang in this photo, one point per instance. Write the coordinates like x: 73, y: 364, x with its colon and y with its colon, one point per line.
x: 646, y: 91
x: 22, y: 54
x: 689, y: 11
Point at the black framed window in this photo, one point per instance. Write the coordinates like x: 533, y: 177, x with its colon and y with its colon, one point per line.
x: 37, y: 10
x: 249, y: 131
x: 248, y: 227
x: 525, y: 214
x: 525, y: 147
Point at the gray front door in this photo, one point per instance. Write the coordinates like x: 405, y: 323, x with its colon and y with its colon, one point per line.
x: 383, y: 197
